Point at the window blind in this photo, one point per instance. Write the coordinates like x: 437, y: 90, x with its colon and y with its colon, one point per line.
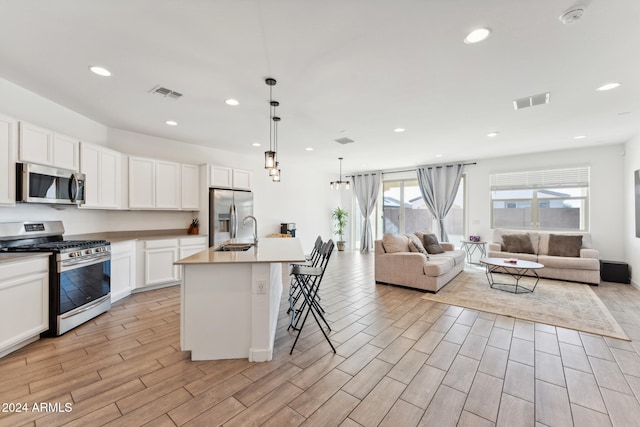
x: 550, y: 178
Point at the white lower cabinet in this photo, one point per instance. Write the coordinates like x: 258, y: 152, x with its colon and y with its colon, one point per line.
x: 155, y: 266
x: 123, y: 269
x: 24, y: 302
x: 155, y: 259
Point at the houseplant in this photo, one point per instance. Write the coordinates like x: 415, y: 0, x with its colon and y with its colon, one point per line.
x: 339, y: 215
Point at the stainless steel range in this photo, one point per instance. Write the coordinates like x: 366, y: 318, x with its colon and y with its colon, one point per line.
x: 79, y: 271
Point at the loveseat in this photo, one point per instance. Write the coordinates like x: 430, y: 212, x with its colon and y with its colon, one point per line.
x: 565, y: 256
x: 399, y: 263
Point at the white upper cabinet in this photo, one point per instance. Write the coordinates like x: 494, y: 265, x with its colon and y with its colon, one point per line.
x: 220, y: 177
x: 159, y: 184
x: 45, y: 147
x: 8, y: 151
x: 66, y: 152
x: 142, y: 183
x: 224, y: 177
x: 190, y: 187
x: 242, y: 179
x: 168, y: 178
x: 103, y: 178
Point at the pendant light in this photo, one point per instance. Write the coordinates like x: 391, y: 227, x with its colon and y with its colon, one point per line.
x: 270, y: 156
x: 337, y: 184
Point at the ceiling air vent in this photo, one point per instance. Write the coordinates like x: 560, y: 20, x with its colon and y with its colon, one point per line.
x: 344, y: 141
x: 530, y: 101
x: 166, y: 92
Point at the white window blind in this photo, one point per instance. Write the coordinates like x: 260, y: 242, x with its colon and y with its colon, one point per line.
x: 551, y: 178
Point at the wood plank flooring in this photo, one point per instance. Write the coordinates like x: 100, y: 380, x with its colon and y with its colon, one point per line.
x: 401, y: 361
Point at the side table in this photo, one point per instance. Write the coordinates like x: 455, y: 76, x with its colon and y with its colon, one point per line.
x: 472, y: 247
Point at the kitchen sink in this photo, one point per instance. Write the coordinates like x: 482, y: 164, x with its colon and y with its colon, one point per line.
x: 234, y: 247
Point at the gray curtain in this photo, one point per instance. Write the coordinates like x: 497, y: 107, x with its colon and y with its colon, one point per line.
x: 366, y: 187
x: 439, y: 185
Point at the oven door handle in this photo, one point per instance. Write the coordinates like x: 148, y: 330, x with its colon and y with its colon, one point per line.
x: 84, y: 262
x: 83, y: 309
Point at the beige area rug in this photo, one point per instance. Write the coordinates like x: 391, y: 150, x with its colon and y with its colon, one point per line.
x: 569, y: 305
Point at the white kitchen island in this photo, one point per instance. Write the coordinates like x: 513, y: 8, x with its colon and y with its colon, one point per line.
x: 230, y: 300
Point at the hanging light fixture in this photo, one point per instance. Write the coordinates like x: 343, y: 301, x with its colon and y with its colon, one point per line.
x: 337, y: 184
x: 275, y: 170
x: 270, y: 155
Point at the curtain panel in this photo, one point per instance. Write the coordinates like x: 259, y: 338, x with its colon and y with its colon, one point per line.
x: 366, y: 188
x: 438, y: 186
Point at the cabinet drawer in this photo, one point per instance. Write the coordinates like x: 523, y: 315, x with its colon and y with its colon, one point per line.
x: 193, y: 241
x: 161, y: 243
x: 11, y: 270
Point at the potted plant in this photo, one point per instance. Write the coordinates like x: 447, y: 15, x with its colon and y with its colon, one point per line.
x: 339, y: 215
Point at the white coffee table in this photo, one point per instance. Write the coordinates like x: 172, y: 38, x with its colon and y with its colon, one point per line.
x: 516, y: 270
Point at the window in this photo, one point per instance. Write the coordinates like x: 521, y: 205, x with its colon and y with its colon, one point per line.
x: 556, y: 199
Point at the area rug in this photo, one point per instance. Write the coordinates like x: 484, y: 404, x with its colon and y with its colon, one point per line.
x: 554, y: 302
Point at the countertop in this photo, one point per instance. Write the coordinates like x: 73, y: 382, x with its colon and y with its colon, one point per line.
x: 121, y: 236
x: 268, y: 250
x: 14, y: 256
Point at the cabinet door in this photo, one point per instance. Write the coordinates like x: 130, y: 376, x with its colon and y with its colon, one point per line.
x: 7, y: 161
x: 242, y: 179
x: 24, y: 301
x: 90, y: 167
x: 167, y: 185
x: 190, y: 187
x: 65, y: 152
x: 36, y: 144
x: 220, y: 177
x: 122, y: 269
x: 159, y: 266
x: 110, y: 178
x: 142, y: 183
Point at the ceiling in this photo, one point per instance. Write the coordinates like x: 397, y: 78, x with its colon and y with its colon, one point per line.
x: 345, y: 68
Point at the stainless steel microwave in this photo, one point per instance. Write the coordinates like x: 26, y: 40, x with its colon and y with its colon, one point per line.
x: 46, y: 184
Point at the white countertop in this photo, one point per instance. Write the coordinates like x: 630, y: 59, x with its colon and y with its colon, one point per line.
x: 267, y: 250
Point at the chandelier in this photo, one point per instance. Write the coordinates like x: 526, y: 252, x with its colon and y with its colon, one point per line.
x: 337, y: 184
x: 271, y: 157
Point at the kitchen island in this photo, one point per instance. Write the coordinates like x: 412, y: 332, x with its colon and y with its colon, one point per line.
x: 230, y: 300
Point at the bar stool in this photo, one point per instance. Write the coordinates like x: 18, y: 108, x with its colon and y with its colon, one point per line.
x: 312, y: 261
x: 309, y: 279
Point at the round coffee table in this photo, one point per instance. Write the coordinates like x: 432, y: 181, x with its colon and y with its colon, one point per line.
x: 517, y: 270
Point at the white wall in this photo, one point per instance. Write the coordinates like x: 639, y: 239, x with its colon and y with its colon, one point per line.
x: 303, y: 195
x: 631, y: 242
x: 606, y: 197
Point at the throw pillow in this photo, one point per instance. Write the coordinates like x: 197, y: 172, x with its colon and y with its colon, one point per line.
x: 517, y: 243
x: 562, y: 245
x: 431, y: 244
x: 393, y: 243
x: 415, y: 244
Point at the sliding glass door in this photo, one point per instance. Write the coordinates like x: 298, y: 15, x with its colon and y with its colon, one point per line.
x: 404, y: 210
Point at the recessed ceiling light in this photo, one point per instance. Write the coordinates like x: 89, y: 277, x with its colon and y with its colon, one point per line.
x: 399, y: 130
x: 309, y: 149
x: 438, y: 155
x: 231, y: 101
x: 492, y: 134
x: 256, y: 144
x: 608, y: 86
x: 171, y: 123
x: 580, y: 137
x: 101, y: 71
x: 477, y: 36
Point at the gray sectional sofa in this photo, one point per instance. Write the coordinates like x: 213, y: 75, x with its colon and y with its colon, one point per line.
x: 400, y: 265
x: 583, y: 266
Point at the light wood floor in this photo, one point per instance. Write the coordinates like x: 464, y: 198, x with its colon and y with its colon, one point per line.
x: 401, y: 361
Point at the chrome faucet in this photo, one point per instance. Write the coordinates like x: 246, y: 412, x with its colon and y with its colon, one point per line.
x: 255, y: 227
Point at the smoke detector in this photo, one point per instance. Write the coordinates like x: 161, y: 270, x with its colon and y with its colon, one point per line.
x: 344, y: 141
x: 572, y: 15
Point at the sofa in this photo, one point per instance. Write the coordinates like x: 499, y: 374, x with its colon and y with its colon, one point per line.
x: 565, y: 256
x: 398, y: 263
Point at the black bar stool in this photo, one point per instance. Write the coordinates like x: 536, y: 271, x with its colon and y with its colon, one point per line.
x: 309, y: 279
